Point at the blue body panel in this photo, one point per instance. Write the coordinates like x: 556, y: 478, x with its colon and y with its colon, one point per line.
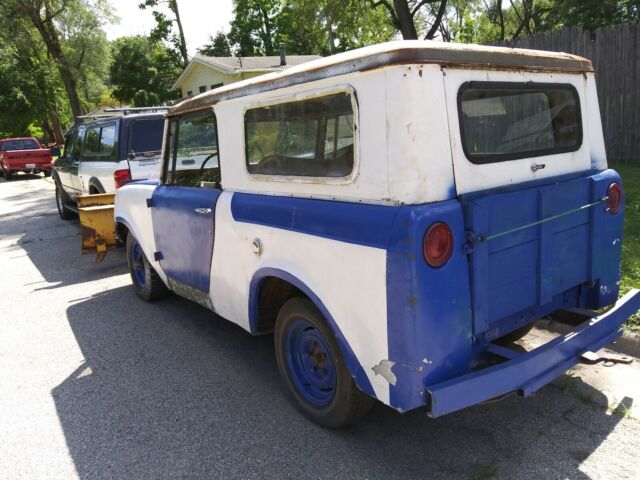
x: 357, y: 223
x: 428, y: 309
x: 184, y: 238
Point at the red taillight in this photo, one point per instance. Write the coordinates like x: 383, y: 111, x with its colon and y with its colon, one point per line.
x: 121, y: 177
x: 437, y: 244
x: 614, y: 198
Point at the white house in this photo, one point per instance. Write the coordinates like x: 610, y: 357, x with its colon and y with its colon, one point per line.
x: 206, y: 73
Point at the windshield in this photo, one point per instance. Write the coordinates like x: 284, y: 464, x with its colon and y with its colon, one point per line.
x: 507, y: 121
x: 21, y: 144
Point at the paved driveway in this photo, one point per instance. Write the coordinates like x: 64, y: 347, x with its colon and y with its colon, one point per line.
x: 96, y: 384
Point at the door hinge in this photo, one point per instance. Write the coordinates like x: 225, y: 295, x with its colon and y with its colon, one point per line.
x: 157, y: 256
x: 149, y: 203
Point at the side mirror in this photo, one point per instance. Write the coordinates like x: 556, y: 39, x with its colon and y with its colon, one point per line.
x: 55, y: 152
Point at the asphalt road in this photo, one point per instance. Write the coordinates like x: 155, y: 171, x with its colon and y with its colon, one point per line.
x: 94, y: 383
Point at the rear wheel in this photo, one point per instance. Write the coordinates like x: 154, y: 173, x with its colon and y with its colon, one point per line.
x: 8, y: 176
x: 313, y: 369
x: 47, y: 173
x: 146, y: 282
x: 63, y: 211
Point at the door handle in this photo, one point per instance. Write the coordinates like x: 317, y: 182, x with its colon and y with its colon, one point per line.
x: 203, y: 211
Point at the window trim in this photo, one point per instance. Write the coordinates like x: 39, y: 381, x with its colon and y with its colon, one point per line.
x: 301, y: 96
x: 168, y: 139
x: 483, y: 159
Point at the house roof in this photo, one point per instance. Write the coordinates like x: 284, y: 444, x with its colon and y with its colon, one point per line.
x: 235, y: 65
x: 403, y: 52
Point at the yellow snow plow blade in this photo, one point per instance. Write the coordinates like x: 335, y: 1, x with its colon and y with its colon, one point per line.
x: 97, y: 223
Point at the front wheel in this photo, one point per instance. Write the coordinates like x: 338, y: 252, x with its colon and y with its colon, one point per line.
x: 313, y: 369
x: 63, y: 211
x: 146, y: 282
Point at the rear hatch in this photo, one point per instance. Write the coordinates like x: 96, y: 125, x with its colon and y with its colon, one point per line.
x: 144, y: 143
x: 535, y: 217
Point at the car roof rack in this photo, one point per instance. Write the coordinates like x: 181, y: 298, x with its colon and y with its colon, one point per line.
x: 127, y: 110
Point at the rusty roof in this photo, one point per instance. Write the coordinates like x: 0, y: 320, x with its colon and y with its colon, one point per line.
x: 393, y: 53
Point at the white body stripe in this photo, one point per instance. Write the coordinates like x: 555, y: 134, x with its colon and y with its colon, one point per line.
x: 356, y: 298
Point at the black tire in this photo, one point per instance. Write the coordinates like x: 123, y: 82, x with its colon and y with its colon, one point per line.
x: 63, y: 211
x: 348, y: 403
x: 8, y: 176
x: 47, y: 173
x: 146, y: 282
x: 517, y: 334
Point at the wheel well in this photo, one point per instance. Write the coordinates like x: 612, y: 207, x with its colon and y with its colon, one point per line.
x: 122, y: 231
x: 274, y: 292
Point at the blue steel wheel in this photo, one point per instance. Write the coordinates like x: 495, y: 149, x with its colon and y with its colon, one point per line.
x: 138, y: 270
x: 310, y: 362
x: 146, y: 282
x: 312, y: 368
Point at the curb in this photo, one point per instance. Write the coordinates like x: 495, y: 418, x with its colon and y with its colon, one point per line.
x: 628, y: 343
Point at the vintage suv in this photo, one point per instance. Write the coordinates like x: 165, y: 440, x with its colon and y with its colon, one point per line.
x: 393, y: 214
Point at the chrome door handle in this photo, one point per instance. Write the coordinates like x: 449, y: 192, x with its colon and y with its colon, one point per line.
x: 203, y: 211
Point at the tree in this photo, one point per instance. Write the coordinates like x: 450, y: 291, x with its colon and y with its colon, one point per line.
x: 31, y: 93
x: 217, y: 47
x: 407, y: 15
x: 143, y: 71
x: 253, y: 27
x: 164, y: 26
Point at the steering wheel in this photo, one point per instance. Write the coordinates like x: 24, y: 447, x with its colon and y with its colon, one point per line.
x: 209, y: 157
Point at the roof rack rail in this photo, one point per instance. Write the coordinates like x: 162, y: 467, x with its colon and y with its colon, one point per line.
x: 125, y: 110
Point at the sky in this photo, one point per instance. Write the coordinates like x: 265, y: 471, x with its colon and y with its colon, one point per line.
x: 200, y: 18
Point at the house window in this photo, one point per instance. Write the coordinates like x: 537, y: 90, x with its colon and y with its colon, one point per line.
x: 216, y: 85
x: 202, y: 88
x: 189, y: 93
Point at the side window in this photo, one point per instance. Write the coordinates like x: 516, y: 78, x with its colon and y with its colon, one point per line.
x: 310, y: 138
x: 100, y: 143
x: 193, y: 151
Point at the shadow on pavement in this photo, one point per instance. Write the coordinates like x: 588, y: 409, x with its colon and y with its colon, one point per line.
x: 53, y: 245
x: 170, y: 390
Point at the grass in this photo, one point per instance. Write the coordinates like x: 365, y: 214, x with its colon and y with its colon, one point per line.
x: 630, y: 174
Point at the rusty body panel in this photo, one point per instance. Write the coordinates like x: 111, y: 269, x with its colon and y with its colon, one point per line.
x: 393, y: 53
x: 97, y: 223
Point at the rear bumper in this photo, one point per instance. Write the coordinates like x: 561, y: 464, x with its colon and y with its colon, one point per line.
x: 527, y: 372
x: 22, y: 167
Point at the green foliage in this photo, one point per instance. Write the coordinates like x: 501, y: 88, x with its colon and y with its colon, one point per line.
x: 322, y: 27
x: 164, y: 30
x: 217, y: 47
x: 142, y: 71
x: 630, y: 174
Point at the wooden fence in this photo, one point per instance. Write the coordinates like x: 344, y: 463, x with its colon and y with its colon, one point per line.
x: 615, y: 53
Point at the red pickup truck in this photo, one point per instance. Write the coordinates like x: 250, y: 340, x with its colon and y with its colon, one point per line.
x: 25, y: 154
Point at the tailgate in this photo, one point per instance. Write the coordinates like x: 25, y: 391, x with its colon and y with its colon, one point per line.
x: 531, y: 246
x: 20, y: 158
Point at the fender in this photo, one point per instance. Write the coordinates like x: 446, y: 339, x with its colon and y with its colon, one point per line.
x: 353, y: 364
x: 93, y: 181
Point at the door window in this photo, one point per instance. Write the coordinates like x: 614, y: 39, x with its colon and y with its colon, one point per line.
x: 193, y: 152
x: 73, y: 144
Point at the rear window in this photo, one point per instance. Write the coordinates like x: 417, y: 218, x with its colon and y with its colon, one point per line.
x: 23, y: 144
x: 507, y: 121
x: 145, y: 138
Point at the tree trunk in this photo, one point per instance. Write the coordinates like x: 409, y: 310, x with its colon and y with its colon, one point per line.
x: 56, y: 127
x: 268, y: 43
x: 405, y: 20
x: 436, y: 22
x: 50, y: 38
x: 501, y: 17
x: 183, y: 43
